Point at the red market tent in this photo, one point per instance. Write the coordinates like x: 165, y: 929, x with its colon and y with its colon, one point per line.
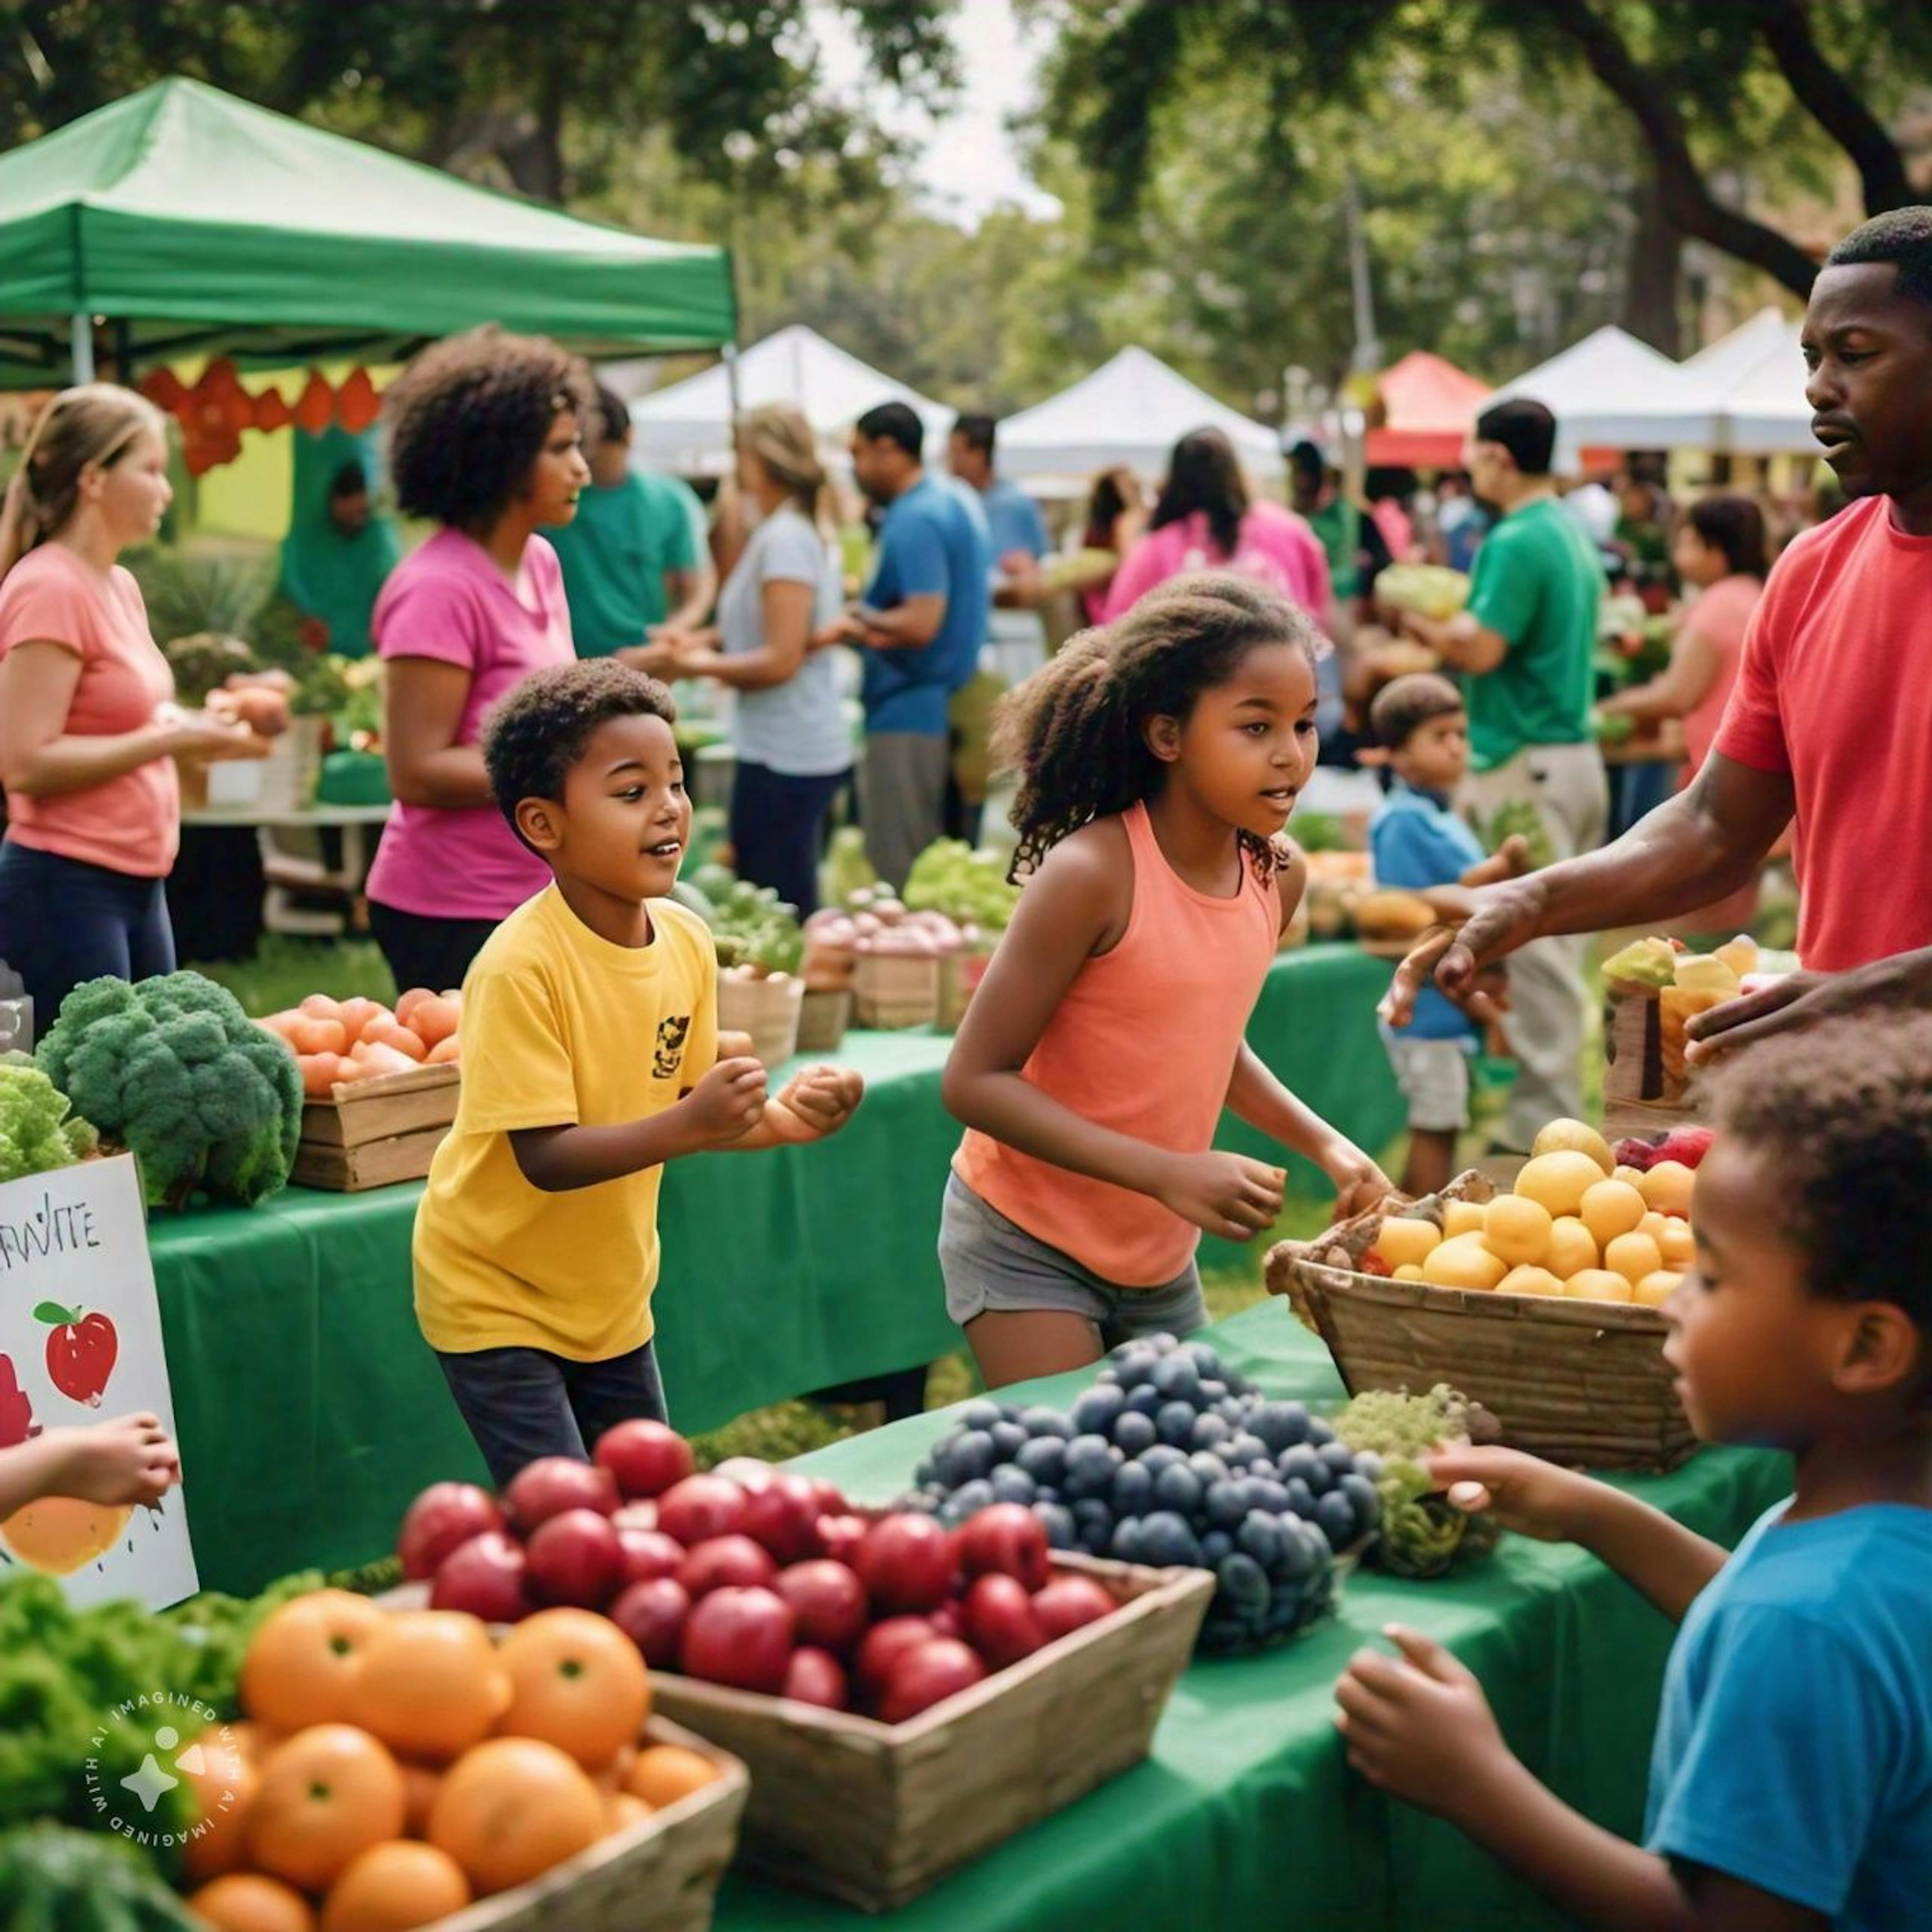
x: 1427, y: 405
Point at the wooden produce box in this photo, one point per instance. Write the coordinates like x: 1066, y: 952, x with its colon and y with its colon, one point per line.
x: 874, y: 1814
x: 1649, y: 1088
x: 374, y: 1133
x: 661, y: 1876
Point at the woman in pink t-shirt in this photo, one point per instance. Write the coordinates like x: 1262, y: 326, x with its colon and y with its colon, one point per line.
x: 1205, y: 521
x: 484, y: 437
x: 88, y: 723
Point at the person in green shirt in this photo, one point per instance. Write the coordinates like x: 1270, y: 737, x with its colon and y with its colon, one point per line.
x: 634, y: 560
x: 334, y: 561
x: 1524, y: 645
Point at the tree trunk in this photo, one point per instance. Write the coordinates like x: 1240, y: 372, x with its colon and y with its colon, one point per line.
x: 1652, y: 310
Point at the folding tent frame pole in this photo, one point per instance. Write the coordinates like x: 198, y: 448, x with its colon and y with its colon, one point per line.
x: 81, y: 335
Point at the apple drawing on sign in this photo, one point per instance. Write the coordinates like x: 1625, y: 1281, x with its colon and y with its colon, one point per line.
x: 80, y: 1352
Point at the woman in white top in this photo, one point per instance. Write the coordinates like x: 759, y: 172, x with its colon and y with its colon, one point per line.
x: 793, y: 745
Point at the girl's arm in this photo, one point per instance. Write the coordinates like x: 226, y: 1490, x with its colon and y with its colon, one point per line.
x: 787, y: 609
x: 423, y: 703
x: 1074, y: 907
x: 1695, y: 663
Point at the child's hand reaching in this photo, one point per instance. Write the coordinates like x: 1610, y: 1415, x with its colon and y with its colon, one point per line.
x: 130, y: 1459
x: 1418, y: 1725
x: 1522, y: 1493
x: 1360, y: 1184
x: 728, y: 1102
x: 1227, y: 1194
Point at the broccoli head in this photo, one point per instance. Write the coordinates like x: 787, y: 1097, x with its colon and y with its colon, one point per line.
x: 173, y: 1070
x: 37, y: 1130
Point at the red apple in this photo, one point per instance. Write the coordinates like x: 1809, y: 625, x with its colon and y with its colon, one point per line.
x: 945, y: 1620
x: 906, y: 1563
x: 829, y: 1601
x: 647, y: 1553
x: 999, y: 1623
x: 831, y: 1498
x: 839, y: 1536
x: 783, y: 1516
x: 1005, y: 1539
x: 701, y: 1507
x: 815, y: 1677
x: 927, y: 1674
x: 552, y: 1484
x: 645, y: 1458
x: 444, y: 1516
x: 726, y: 1562
x: 576, y: 1558
x: 882, y: 1647
x: 751, y: 1473
x: 642, y: 1515
x: 1069, y: 1603
x: 742, y: 1637
x: 487, y: 1576
x: 651, y: 1614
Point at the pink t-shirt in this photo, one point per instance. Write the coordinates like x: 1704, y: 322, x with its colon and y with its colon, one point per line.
x: 449, y: 602
x: 1274, y: 545
x: 1720, y: 616
x: 131, y: 824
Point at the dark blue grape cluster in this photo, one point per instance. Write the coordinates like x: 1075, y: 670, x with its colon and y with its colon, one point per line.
x: 1171, y: 1458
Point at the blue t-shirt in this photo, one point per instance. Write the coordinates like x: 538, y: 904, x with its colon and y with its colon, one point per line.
x: 1416, y: 841
x: 930, y: 544
x: 1013, y: 520
x: 1794, y: 1747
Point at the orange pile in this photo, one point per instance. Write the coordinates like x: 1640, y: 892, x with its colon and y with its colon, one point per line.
x: 396, y: 1766
x: 335, y: 1041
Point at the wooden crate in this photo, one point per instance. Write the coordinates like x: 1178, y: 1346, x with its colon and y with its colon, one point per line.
x: 374, y: 1133
x: 1648, y: 1089
x: 874, y: 1814
x: 893, y: 990
x: 1575, y: 1382
x: 661, y: 1876
x: 960, y: 973
x: 823, y: 1019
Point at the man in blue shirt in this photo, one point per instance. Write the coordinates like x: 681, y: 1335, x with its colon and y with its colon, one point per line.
x: 1018, y: 528
x: 918, y: 628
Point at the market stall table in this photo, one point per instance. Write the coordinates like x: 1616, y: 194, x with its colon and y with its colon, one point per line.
x: 310, y: 1412
x: 1246, y: 1814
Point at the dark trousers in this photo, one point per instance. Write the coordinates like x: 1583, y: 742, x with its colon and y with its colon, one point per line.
x: 778, y: 830
x: 425, y: 951
x: 523, y: 1403
x: 62, y: 921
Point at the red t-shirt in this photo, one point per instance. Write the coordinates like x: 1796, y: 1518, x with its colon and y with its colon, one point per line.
x: 1836, y: 688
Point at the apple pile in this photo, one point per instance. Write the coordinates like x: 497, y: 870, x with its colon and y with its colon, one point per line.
x: 751, y: 1576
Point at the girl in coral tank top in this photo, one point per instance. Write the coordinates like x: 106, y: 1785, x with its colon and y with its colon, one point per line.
x: 1158, y: 759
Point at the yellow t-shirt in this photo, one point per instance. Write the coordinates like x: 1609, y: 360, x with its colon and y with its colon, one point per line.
x: 560, y: 1028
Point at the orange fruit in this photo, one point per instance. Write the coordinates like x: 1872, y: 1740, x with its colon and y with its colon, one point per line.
x: 431, y: 1685
x: 303, y: 1663
x: 328, y: 1793
x: 1516, y: 1230
x: 252, y: 1742
x: 246, y: 1902
x: 577, y: 1682
x: 623, y: 1813
x: 221, y: 1785
x: 394, y: 1888
x: 664, y: 1773
x: 421, y: 1783
x: 512, y: 1808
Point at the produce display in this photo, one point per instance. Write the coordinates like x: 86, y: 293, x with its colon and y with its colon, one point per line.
x: 970, y: 887
x: 39, y: 1129
x: 57, y: 1879
x: 1582, y: 1220
x: 1171, y: 1458
x: 336, y: 1042
x: 1421, y: 1533
x: 750, y: 1576
x: 1678, y: 984
x: 751, y: 926
x: 1427, y: 588
x: 173, y: 1070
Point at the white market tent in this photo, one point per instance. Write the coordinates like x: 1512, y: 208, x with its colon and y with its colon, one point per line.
x: 1759, y: 372
x: 1131, y: 410
x: 1612, y: 391
x: 687, y: 427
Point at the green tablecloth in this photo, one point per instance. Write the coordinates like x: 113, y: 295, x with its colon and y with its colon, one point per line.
x: 311, y: 1411
x: 1246, y: 1814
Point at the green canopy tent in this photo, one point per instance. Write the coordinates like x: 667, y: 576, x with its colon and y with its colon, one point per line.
x: 192, y: 223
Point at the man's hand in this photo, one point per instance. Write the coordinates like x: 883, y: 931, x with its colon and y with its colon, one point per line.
x: 1418, y: 1725
x: 1226, y: 1194
x: 658, y: 658
x: 1360, y: 1184
x: 728, y: 1103
x: 1522, y: 1493
x: 130, y: 1459
x: 1506, y: 917
x: 823, y: 1098
x: 1799, y: 1000
x: 845, y: 629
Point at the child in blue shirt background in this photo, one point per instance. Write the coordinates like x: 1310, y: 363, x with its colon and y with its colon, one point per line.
x: 1791, y: 1779
x: 1418, y: 844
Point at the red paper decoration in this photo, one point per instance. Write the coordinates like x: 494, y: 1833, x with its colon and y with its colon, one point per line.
x: 357, y: 406
x: 315, y: 408
x: 271, y: 411
x: 164, y: 389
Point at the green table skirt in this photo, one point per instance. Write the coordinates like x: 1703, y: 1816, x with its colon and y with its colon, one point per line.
x: 311, y: 1411
x: 1246, y: 1814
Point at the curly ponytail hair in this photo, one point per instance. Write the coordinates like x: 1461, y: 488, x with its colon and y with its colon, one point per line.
x: 1075, y: 731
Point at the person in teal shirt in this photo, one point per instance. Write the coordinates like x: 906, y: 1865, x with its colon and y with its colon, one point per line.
x: 1525, y: 647
x: 334, y: 558
x: 634, y: 558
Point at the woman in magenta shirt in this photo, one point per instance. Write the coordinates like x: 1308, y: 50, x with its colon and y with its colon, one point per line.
x: 484, y: 437
x: 1205, y: 521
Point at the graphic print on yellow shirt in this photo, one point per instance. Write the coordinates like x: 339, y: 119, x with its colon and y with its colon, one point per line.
x: 560, y: 1028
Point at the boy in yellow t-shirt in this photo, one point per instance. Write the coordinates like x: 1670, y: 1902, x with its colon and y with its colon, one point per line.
x: 590, y: 1036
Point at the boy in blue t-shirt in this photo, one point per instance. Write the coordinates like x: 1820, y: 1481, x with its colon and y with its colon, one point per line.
x: 1791, y: 1779
x: 1419, y: 845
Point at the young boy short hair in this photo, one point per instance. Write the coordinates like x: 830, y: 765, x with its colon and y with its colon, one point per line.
x: 1791, y: 1778
x: 1419, y: 845
x: 590, y: 1059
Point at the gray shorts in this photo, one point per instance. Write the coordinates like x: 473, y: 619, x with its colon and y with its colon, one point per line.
x: 989, y: 1264
x: 1434, y: 1077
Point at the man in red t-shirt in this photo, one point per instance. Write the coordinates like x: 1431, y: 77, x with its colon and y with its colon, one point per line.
x: 1831, y: 717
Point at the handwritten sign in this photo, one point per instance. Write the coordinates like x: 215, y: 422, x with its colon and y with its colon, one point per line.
x: 80, y: 1343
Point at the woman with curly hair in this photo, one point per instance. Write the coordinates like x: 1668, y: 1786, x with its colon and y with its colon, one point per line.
x: 485, y: 436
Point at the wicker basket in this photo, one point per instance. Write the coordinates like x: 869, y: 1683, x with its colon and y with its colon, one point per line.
x: 1581, y: 1382
x: 892, y: 990
x: 874, y: 1814
x: 661, y: 1876
x: 767, y: 1009
x: 959, y: 975
x: 822, y: 1020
